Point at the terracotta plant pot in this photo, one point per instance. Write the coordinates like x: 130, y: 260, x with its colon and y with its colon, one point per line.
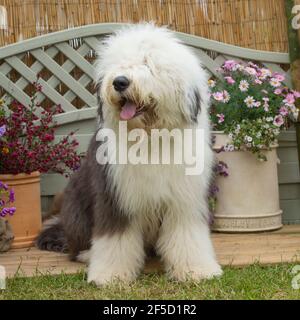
x: 248, y: 199
x: 26, y: 222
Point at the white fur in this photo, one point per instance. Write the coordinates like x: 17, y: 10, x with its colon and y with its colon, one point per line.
x: 117, y: 257
x: 166, y: 207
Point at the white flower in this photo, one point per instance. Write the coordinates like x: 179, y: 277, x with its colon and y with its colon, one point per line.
x: 269, y: 119
x: 248, y: 138
x: 251, y: 71
x: 226, y: 96
x: 230, y: 135
x: 238, y: 67
x: 294, y: 113
x: 275, y: 83
x: 258, y: 135
x: 244, y: 85
x: 211, y: 83
x: 250, y: 102
x: 265, y: 73
x: 229, y: 148
x: 237, y: 129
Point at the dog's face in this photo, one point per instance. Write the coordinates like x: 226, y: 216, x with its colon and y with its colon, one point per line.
x: 149, y: 79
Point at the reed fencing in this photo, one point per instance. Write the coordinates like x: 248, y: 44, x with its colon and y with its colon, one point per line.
x: 256, y: 24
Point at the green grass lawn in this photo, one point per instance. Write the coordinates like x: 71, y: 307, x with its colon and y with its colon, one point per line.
x: 252, y: 282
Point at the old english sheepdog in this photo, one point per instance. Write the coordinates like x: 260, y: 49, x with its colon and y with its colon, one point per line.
x: 112, y: 213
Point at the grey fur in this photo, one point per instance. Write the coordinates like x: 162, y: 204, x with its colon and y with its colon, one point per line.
x: 89, y: 209
x: 6, y: 235
x: 196, y: 106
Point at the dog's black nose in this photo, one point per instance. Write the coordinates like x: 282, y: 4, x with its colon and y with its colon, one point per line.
x: 120, y: 83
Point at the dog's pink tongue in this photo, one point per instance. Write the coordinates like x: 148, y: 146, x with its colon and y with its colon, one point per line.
x: 128, y: 111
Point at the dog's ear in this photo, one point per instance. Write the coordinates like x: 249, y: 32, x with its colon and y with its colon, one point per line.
x: 99, y: 101
x: 195, y: 105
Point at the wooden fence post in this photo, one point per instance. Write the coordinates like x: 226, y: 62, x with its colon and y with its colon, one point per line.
x: 294, y: 50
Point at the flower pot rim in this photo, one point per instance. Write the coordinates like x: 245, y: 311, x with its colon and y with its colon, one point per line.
x: 19, y: 175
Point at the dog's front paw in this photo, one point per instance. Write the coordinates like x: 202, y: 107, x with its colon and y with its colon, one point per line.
x: 196, y: 273
x: 106, y: 278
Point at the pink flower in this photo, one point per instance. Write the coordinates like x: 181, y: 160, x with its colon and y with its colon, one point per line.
x: 289, y: 99
x: 230, y: 80
x: 257, y: 81
x: 278, y: 91
x: 257, y: 104
x: 278, y: 121
x: 284, y: 111
x: 251, y: 71
x: 296, y: 94
x: 218, y: 96
x: 280, y: 77
x: 229, y: 64
x: 221, y: 117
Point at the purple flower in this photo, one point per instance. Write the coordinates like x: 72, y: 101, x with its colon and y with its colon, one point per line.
x: 221, y: 169
x: 3, y: 186
x: 7, y: 211
x: 213, y: 190
x: 11, y: 195
x: 2, y: 130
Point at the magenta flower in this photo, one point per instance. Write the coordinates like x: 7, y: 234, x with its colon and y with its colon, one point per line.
x: 30, y: 146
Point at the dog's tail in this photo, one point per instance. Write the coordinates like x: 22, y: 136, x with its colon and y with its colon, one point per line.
x: 52, y: 237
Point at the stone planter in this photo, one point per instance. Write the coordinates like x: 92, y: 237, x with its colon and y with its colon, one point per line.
x: 248, y: 200
x: 26, y: 222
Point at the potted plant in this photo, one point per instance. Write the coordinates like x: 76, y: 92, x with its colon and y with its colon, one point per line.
x: 250, y: 106
x: 27, y: 149
x: 7, y: 198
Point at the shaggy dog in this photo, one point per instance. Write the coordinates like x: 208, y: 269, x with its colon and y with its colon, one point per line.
x: 111, y: 213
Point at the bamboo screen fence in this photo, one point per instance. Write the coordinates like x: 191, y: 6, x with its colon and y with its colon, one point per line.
x: 257, y: 24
